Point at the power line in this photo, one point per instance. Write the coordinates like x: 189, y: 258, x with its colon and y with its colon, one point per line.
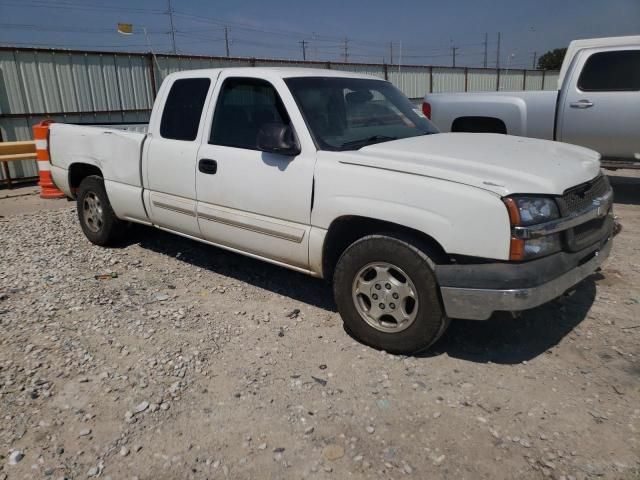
x: 74, y: 45
x: 67, y: 29
x: 199, y: 37
x: 80, y: 6
x: 298, y: 34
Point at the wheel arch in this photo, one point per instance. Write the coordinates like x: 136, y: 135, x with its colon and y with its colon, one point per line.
x: 479, y: 124
x: 79, y: 171
x: 345, y: 230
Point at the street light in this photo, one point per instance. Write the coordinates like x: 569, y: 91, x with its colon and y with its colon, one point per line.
x: 127, y: 29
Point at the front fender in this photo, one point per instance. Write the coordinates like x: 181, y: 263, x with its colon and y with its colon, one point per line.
x: 464, y: 220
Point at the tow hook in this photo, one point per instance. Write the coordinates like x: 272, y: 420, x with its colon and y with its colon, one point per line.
x: 617, y: 226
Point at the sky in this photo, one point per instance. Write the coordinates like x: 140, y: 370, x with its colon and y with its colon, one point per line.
x: 372, y: 31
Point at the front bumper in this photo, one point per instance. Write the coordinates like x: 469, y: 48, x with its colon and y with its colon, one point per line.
x: 464, y: 301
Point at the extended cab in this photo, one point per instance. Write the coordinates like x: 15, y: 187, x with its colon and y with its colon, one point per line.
x: 338, y: 176
x: 597, y: 104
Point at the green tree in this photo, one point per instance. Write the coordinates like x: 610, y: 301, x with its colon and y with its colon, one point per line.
x: 552, y: 60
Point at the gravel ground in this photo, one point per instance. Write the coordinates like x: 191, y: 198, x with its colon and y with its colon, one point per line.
x: 26, y: 199
x: 197, y: 363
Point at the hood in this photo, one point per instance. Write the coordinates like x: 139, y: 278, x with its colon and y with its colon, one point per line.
x: 499, y: 163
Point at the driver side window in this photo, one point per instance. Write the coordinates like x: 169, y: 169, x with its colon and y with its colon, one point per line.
x: 244, y: 106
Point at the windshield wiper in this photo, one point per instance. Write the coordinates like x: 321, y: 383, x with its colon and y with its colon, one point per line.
x: 368, y: 141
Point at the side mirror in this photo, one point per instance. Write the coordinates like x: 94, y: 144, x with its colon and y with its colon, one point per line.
x: 278, y: 138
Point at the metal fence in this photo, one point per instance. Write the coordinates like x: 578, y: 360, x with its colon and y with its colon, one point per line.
x: 111, y: 87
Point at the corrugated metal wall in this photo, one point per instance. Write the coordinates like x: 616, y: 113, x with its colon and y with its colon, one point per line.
x: 551, y: 81
x: 481, y: 80
x: 534, y: 80
x: 110, y: 87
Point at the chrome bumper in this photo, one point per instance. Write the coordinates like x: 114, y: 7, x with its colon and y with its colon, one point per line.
x: 479, y: 304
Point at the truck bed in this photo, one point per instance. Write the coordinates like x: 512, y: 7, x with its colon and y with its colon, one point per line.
x: 527, y: 114
x: 115, y: 151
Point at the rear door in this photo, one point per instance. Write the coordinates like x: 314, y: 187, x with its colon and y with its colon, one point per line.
x: 170, y: 159
x: 249, y: 200
x: 601, y: 105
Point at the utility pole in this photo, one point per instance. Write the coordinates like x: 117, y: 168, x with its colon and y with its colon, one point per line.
x: 486, y: 47
x: 498, y: 53
x: 346, y: 49
x: 535, y: 57
x: 315, y: 46
x: 391, y: 53
x: 453, y: 52
x: 173, y: 30
x: 226, y: 40
x: 304, y: 49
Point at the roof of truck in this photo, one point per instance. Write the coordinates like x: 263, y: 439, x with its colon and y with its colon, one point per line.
x: 271, y: 72
x: 577, y: 45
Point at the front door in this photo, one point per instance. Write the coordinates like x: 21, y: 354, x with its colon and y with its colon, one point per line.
x: 601, y: 108
x: 249, y: 200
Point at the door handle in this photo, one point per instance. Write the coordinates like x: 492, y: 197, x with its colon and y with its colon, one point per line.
x: 208, y: 166
x: 582, y: 104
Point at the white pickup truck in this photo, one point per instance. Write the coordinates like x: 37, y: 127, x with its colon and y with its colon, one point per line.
x: 597, y: 104
x: 338, y: 176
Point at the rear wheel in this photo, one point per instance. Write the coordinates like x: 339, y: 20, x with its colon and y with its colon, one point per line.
x: 97, y: 219
x: 387, y: 295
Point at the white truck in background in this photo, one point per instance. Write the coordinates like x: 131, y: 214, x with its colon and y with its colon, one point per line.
x: 339, y: 176
x: 597, y: 104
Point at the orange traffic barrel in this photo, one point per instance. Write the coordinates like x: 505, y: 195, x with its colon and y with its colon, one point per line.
x: 41, y: 136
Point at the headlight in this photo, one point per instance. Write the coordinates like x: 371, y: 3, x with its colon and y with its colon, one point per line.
x: 525, y: 211
x: 532, y: 210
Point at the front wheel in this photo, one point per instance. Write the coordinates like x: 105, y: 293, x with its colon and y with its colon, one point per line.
x: 97, y: 219
x: 387, y: 295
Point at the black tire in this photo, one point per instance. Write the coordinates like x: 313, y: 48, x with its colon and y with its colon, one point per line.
x: 430, y: 320
x: 109, y: 228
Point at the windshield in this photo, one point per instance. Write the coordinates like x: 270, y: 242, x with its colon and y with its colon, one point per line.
x: 350, y: 113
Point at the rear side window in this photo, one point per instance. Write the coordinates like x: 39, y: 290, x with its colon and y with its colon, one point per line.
x: 611, y: 72
x: 183, y: 108
x: 244, y: 106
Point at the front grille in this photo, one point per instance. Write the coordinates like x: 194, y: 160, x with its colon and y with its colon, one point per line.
x: 578, y: 198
